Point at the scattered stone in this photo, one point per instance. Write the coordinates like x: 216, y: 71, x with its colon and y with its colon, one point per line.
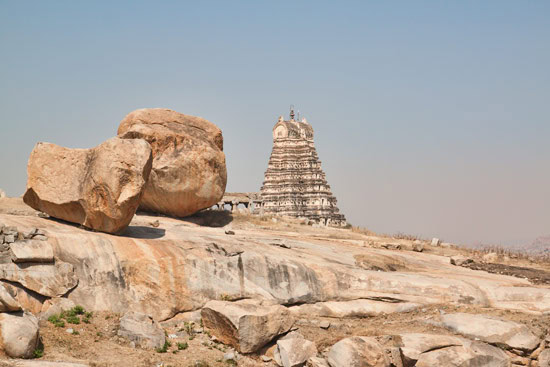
x: 492, y: 330
x: 324, y: 324
x: 70, y: 331
x: 155, y: 224
x: 189, y: 172
x: 294, y: 350
x: 460, y: 260
x: 391, y: 246
x: 55, y: 306
x: 7, y: 302
x: 435, y: 242
x: 418, y: 247
x: 31, y: 251
x: 142, y: 330
x: 246, y: 325
x: 229, y: 232
x: 2, y: 194
x: 266, y: 358
x: 99, y: 188
x: 19, y: 334
x: 9, y: 238
x: 172, y: 336
x: 358, y: 351
x: 544, y: 358
x: 317, y: 362
x: 229, y: 356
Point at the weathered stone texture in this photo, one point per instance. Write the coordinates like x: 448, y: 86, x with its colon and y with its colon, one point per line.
x: 189, y: 172
x: 294, y: 184
x: 99, y: 188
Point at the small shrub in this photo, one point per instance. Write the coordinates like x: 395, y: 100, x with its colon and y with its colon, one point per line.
x: 38, y: 352
x: 78, y: 310
x: 183, y: 346
x: 73, y: 320
x: 56, y: 320
x: 164, y: 348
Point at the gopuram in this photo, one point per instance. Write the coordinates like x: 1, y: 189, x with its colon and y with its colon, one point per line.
x: 294, y: 183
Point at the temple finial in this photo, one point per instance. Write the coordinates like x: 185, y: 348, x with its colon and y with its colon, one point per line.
x: 291, y: 112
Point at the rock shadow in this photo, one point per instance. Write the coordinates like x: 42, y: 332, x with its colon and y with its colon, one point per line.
x: 143, y: 232
x: 210, y: 218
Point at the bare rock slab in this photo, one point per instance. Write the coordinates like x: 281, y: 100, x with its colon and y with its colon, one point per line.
x: 31, y: 251
x: 544, y: 358
x: 492, y: 330
x: 246, y: 325
x: 189, y: 172
x: 470, y: 354
x: 357, y: 351
x: 142, y: 330
x: 99, y: 188
x: 18, y: 334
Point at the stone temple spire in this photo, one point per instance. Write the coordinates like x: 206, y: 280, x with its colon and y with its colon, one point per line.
x: 294, y: 184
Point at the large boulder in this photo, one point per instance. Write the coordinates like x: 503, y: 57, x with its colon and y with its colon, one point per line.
x: 544, y: 358
x: 357, y: 351
x: 189, y: 172
x: 469, y: 354
x: 19, y: 334
x: 99, y: 188
x: 507, y: 334
x: 246, y: 325
x: 142, y: 330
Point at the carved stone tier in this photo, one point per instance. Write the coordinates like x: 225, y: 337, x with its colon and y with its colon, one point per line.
x: 294, y: 184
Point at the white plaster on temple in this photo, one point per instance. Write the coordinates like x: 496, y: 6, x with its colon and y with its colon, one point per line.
x: 294, y: 184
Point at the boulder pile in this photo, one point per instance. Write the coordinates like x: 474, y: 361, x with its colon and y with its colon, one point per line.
x: 162, y: 161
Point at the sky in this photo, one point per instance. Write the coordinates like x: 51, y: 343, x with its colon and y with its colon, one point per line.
x: 431, y: 118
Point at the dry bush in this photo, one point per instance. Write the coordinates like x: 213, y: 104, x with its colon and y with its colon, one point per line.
x: 362, y: 230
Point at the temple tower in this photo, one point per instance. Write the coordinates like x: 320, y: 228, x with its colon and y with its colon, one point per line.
x: 294, y: 184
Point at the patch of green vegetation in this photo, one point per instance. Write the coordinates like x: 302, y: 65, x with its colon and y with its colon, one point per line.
x: 75, y: 332
x: 56, y: 320
x: 231, y: 362
x: 165, y: 347
x: 73, y: 320
x: 38, y: 352
x: 183, y: 346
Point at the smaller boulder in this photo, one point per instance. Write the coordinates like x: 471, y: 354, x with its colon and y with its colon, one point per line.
x: 544, y: 358
x: 2, y: 194
x: 295, y: 350
x: 357, y: 351
x: 246, y: 325
x: 317, y: 362
x: 460, y: 260
x: 19, y: 334
x: 435, y: 242
x: 142, y: 330
x: 7, y: 301
x: 418, y: 246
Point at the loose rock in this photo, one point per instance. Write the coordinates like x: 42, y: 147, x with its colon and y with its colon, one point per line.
x: 18, y: 334
x: 31, y: 251
x: 246, y: 325
x: 357, y: 351
x: 295, y: 351
x: 142, y: 330
x: 7, y: 302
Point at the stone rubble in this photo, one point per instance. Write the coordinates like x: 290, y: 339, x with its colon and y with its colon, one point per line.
x: 142, y: 330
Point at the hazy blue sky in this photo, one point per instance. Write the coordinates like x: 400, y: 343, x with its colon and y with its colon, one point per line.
x: 430, y: 117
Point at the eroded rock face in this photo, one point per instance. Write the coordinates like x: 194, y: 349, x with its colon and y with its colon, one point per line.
x: 247, y: 325
x: 18, y: 334
x: 357, y: 351
x: 142, y: 330
x: 189, y: 172
x: 492, y: 330
x: 99, y: 188
x: 50, y: 280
